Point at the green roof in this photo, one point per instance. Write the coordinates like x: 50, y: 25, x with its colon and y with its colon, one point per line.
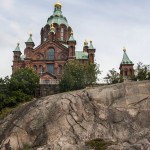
x: 71, y: 38
x: 17, y: 49
x: 125, y: 59
x: 81, y: 55
x: 23, y: 57
x: 30, y: 39
x: 57, y: 17
x: 65, y: 45
x: 91, y: 45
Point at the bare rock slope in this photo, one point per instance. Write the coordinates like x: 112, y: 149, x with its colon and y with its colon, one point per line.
x: 119, y: 113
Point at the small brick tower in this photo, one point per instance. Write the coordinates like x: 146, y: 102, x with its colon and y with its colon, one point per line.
x: 126, y: 66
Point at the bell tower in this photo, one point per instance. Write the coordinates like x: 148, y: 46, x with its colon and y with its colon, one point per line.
x: 126, y: 66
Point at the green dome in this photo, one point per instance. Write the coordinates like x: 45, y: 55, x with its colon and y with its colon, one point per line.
x: 57, y: 17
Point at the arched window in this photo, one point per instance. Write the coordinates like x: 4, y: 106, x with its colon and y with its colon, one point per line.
x: 41, y: 69
x: 51, y: 54
x: 50, y: 68
x: 35, y: 68
x: 62, y: 34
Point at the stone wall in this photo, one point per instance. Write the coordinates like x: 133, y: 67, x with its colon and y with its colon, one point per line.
x: 45, y: 90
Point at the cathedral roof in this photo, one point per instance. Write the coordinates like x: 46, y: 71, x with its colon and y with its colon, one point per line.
x: 91, y: 45
x: 57, y: 16
x: 125, y: 59
x: 17, y: 49
x: 30, y: 39
x: 71, y: 37
x: 81, y: 55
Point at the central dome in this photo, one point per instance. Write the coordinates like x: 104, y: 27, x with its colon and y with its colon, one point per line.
x: 57, y: 16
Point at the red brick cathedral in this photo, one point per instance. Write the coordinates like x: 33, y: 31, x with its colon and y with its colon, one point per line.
x: 57, y: 47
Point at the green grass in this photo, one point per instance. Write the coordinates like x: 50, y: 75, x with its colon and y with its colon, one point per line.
x: 5, y: 112
x: 98, y: 144
x: 26, y: 147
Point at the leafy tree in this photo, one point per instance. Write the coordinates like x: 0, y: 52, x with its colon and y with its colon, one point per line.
x: 142, y: 72
x: 19, y: 88
x: 113, y: 77
x: 24, y: 80
x: 77, y: 76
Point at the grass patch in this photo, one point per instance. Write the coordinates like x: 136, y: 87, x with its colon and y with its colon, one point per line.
x: 98, y: 144
x: 26, y: 147
x: 5, y: 112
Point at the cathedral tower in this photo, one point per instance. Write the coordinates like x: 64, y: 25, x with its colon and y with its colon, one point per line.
x: 126, y: 66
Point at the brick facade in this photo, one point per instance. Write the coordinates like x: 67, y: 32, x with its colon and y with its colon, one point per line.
x: 57, y: 47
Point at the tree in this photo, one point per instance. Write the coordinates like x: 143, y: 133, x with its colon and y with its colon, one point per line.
x: 142, y: 72
x: 19, y: 88
x: 77, y: 76
x: 113, y: 77
x: 24, y: 80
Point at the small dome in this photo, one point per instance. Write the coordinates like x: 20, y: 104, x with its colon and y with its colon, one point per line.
x: 57, y: 16
x: 58, y: 4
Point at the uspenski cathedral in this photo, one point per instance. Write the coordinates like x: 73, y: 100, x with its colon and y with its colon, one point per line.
x: 57, y: 47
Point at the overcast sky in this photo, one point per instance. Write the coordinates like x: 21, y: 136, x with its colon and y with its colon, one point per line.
x: 110, y: 24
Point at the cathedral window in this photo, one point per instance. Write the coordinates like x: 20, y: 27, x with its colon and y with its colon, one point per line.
x: 51, y: 54
x: 41, y: 69
x: 62, y: 34
x: 50, y: 68
x: 35, y: 68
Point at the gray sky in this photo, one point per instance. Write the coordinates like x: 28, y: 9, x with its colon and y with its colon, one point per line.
x: 110, y: 24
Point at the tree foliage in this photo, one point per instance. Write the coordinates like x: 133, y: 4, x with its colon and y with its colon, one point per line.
x: 25, y: 80
x: 19, y: 88
x: 113, y: 77
x: 142, y: 72
x: 77, y: 75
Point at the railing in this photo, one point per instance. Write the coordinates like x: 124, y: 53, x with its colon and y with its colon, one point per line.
x: 51, y: 81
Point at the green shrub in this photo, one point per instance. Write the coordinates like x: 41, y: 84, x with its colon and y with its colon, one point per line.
x: 98, y: 144
x: 77, y: 76
x: 26, y: 147
x: 6, y: 111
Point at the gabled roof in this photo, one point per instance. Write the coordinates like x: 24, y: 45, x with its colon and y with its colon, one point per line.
x: 48, y: 75
x: 125, y: 59
x: 54, y: 42
x: 81, y: 55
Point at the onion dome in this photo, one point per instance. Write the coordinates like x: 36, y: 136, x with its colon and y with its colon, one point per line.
x: 58, y: 4
x: 125, y: 59
x: 57, y: 16
x: 85, y: 43
x: 17, y: 49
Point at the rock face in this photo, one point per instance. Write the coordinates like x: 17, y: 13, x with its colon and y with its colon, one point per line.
x: 119, y: 113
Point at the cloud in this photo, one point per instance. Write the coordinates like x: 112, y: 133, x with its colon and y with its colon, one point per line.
x: 111, y: 25
x: 7, y: 4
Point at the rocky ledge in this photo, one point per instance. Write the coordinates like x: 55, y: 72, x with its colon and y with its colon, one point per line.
x: 117, y: 113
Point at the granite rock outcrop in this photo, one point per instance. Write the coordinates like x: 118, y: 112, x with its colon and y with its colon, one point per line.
x: 118, y: 113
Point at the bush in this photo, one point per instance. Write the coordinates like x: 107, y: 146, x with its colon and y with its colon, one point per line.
x: 26, y: 147
x: 18, y: 89
x: 98, y: 144
x: 77, y: 76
